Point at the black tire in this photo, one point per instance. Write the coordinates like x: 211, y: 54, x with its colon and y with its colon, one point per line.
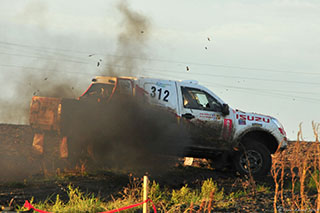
x: 258, y: 156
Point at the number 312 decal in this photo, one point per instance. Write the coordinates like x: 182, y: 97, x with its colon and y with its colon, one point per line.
x: 154, y: 91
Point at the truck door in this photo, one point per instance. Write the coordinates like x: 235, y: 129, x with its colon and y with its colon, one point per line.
x: 208, y: 126
x: 161, y: 92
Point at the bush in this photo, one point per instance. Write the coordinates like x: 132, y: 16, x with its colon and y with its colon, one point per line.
x: 209, y: 187
x: 184, y: 196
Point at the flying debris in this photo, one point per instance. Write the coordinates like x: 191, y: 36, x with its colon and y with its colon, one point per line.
x: 99, y: 62
x: 45, y: 79
x: 90, y: 55
x: 35, y: 92
x: 142, y: 31
x: 209, y: 39
x: 187, y: 68
x: 206, y: 48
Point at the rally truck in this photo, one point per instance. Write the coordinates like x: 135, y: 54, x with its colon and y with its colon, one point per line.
x: 219, y: 133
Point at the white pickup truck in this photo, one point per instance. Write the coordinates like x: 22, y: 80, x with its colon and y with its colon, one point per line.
x: 219, y: 132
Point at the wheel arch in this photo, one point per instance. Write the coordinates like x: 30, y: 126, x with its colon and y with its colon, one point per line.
x: 264, y: 137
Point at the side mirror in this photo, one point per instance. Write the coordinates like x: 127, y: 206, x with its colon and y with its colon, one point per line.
x: 225, y: 109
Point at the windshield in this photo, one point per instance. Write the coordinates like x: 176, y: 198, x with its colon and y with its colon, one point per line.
x: 198, y: 99
x: 98, y: 90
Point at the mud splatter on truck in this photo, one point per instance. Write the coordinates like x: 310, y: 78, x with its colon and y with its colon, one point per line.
x: 126, y: 116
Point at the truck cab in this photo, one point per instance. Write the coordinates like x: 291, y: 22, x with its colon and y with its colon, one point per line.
x: 219, y: 132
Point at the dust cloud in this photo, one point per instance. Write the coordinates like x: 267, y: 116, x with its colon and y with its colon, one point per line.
x: 131, y: 43
x: 126, y: 133
x: 34, y: 13
x: 15, y: 108
x: 47, y: 77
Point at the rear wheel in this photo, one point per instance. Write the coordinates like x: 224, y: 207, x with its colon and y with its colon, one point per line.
x: 253, y: 157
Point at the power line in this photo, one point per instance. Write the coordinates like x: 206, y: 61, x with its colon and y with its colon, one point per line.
x: 268, y: 91
x: 252, y: 90
x: 206, y: 74
x: 251, y: 78
x: 42, y: 69
x: 41, y: 53
x: 272, y: 93
x: 265, y: 89
x: 42, y: 57
x: 165, y: 60
x: 41, y: 47
x: 209, y: 74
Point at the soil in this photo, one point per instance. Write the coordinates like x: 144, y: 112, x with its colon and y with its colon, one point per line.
x: 25, y: 175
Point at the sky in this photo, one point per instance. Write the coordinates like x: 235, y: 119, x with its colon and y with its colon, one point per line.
x: 258, y: 56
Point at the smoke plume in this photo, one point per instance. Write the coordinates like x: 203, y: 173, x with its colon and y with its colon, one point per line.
x: 126, y: 133
x: 131, y: 42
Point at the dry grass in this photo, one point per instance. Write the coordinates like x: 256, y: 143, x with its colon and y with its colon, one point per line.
x: 296, y: 175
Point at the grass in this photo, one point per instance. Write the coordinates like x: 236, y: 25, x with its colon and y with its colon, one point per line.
x: 78, y: 202
x: 208, y: 197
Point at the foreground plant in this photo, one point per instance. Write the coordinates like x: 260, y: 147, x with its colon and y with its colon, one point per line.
x: 78, y: 202
x: 298, y: 168
x: 205, y: 199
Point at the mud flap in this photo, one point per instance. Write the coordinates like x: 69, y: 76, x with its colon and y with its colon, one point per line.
x: 37, y: 143
x: 64, y: 147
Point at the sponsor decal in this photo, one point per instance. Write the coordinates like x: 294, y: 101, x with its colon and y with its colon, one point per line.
x: 159, y: 84
x: 208, y: 116
x: 227, y: 128
x: 157, y: 93
x: 253, y: 118
x: 242, y: 122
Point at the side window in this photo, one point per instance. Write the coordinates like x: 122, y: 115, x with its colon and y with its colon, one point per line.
x: 98, y: 90
x: 198, y: 99
x: 124, y: 86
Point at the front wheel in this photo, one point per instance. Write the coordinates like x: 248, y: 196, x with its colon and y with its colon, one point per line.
x: 253, y: 158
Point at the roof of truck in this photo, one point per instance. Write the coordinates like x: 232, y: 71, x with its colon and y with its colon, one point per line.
x: 112, y: 79
x: 109, y: 79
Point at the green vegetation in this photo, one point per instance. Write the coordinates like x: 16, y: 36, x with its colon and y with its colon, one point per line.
x: 263, y: 188
x: 78, y: 202
x: 186, y: 198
